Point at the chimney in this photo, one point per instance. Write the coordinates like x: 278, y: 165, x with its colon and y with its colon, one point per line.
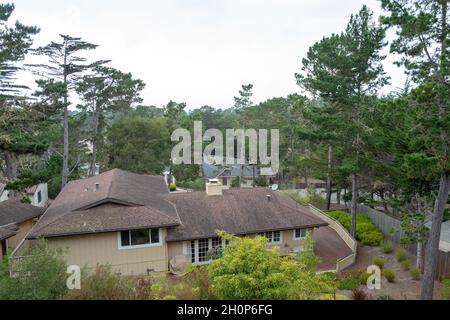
x: 213, y: 187
x: 97, y: 186
x: 269, y: 197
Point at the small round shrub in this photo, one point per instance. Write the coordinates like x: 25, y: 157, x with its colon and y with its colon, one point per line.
x: 401, y: 255
x: 372, y: 238
x: 415, y: 273
x: 378, y: 261
x: 387, y: 246
x: 359, y: 294
x: 389, y: 275
x: 445, y: 289
x: 406, y: 265
x: 172, y: 187
x: 363, y: 278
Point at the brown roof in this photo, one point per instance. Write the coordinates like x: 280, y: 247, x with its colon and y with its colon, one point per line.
x: 13, y: 211
x: 123, y: 201
x: 6, y: 233
x: 127, y: 201
x: 238, y: 211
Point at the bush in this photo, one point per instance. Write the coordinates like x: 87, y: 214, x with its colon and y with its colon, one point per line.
x: 104, y: 284
x: 172, y: 187
x: 389, y: 275
x: 348, y: 284
x: 445, y: 289
x: 39, y: 275
x: 387, y: 246
x: 401, y: 255
x: 378, y: 261
x: 406, y: 265
x: 359, y: 294
x: 364, y: 277
x: 415, y: 274
x: 366, y: 231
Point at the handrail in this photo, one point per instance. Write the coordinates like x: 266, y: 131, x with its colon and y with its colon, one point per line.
x: 343, y: 233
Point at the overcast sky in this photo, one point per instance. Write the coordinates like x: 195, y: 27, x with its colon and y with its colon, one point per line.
x: 199, y: 51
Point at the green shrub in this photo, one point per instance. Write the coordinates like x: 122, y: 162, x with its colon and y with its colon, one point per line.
x: 172, y: 187
x: 415, y: 274
x: 363, y: 278
x: 348, y: 284
x: 389, y: 275
x: 387, y: 246
x: 445, y: 289
x: 366, y: 231
x: 401, y: 255
x: 378, y: 261
x: 39, y: 275
x: 406, y: 265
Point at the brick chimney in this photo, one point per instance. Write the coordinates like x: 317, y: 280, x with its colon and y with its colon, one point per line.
x: 213, y: 187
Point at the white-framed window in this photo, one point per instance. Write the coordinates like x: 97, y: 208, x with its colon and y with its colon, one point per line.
x: 199, y: 251
x: 300, y: 234
x: 141, y: 238
x: 272, y: 236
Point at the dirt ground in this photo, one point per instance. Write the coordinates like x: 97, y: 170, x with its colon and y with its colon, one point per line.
x: 404, y: 287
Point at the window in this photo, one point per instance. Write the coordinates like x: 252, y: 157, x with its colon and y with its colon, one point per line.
x: 193, y: 251
x: 139, y: 238
x: 203, y: 248
x: 224, y: 182
x: 39, y: 196
x: 272, y: 236
x: 300, y: 234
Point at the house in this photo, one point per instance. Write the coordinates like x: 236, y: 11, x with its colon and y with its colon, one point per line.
x: 38, y: 194
x: 226, y: 173
x: 16, y: 220
x: 134, y: 224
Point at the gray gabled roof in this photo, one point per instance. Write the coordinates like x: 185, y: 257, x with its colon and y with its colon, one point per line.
x: 6, y: 233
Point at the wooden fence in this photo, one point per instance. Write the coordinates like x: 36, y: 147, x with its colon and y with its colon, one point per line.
x: 392, y: 230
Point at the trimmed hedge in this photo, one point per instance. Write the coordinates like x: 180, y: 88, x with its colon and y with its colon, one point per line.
x: 366, y: 230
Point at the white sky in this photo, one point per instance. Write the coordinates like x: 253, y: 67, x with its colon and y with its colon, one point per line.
x: 199, y: 51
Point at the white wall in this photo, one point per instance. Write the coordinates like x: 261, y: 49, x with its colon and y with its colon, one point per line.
x: 4, y: 196
x: 44, y: 196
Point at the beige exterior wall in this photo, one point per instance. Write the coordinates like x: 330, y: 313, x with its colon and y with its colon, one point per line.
x: 103, y: 249
x: 288, y: 244
x: 24, y: 228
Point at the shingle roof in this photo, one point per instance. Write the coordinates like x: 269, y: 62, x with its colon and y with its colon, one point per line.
x: 238, y: 211
x: 127, y: 201
x: 6, y: 233
x: 123, y: 200
x: 13, y: 211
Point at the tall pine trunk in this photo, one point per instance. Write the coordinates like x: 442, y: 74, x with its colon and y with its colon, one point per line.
x: 330, y: 158
x: 65, y: 169
x: 432, y: 252
x: 354, y: 204
x: 92, y: 168
x: 11, y: 165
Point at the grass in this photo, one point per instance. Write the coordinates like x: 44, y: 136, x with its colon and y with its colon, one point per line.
x: 389, y: 275
x: 378, y: 261
x: 401, y: 255
x: 387, y: 246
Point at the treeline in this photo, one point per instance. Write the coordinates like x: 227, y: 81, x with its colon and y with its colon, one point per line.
x: 340, y: 130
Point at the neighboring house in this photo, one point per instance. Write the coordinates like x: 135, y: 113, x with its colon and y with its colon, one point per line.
x: 16, y: 220
x: 38, y: 194
x: 134, y: 224
x: 226, y: 173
